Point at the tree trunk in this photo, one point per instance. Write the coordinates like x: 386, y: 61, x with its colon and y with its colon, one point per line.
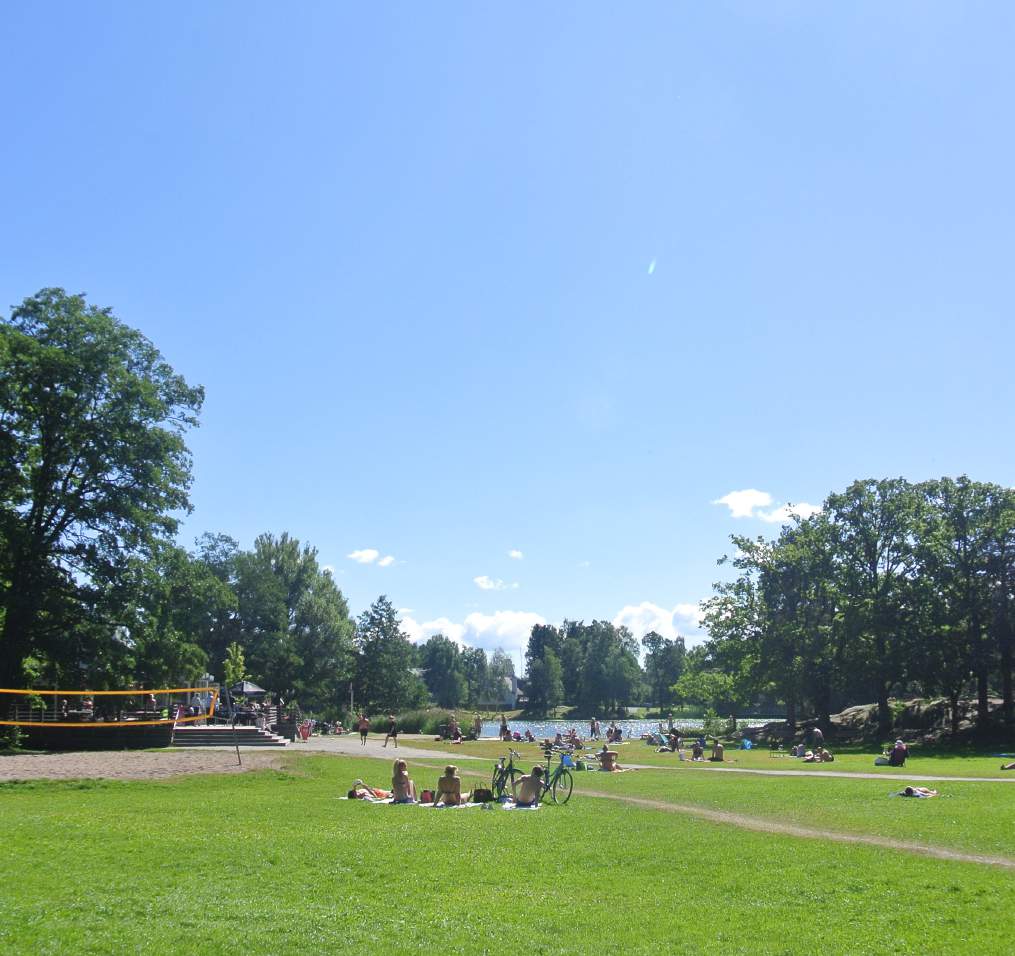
x: 884, y: 712
x: 822, y: 705
x: 982, y: 699
x: 14, y: 644
x: 791, y: 715
x: 1008, y: 707
x: 953, y: 703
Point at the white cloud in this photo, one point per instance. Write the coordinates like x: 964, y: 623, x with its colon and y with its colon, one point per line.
x: 516, y: 554
x: 365, y: 556
x: 506, y: 629
x: 485, y: 583
x: 690, y: 614
x: 441, y: 625
x: 784, y: 513
x: 751, y: 503
x: 584, y: 564
x: 683, y: 620
x: 652, y: 267
x: 386, y: 561
x: 743, y: 503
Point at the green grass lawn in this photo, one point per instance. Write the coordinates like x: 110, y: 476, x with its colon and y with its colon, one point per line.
x: 275, y: 863
x: 968, y: 816
x: 849, y: 760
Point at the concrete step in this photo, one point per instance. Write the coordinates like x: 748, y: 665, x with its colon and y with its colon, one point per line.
x: 225, y: 737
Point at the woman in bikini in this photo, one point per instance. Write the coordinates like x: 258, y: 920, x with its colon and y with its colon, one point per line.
x: 402, y: 788
x: 449, y: 787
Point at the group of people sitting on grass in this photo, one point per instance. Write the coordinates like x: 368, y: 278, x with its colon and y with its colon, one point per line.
x: 507, y: 734
x: 569, y: 741
x: 817, y: 755
x: 527, y: 789
x: 672, y: 744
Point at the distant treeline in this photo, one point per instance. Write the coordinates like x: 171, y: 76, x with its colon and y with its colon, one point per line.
x: 892, y: 588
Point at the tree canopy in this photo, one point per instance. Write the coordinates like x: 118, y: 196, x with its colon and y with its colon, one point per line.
x: 93, y: 472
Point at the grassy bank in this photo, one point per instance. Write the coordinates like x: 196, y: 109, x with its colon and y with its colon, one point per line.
x: 277, y: 861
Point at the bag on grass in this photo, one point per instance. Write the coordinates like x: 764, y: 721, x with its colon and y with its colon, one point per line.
x: 482, y: 795
x: 426, y: 796
x: 881, y: 762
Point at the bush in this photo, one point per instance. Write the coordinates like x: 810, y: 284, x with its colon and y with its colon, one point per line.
x: 421, y: 721
x: 11, y: 739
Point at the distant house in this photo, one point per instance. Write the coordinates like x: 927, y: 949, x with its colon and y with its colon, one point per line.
x: 506, y: 699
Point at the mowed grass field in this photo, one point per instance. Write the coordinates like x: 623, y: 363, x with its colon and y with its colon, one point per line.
x: 851, y: 760
x: 274, y: 863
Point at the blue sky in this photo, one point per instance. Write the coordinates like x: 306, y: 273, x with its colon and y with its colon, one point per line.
x: 408, y: 250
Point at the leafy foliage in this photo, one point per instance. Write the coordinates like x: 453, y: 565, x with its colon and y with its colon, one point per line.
x: 93, y: 471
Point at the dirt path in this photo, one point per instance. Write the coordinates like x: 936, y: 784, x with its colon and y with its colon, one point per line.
x: 132, y: 765
x: 411, y: 748
x: 789, y: 829
x: 844, y: 774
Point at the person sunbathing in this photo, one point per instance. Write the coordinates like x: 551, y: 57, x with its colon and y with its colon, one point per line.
x: 917, y: 792
x: 402, y: 787
x: 697, y: 751
x: 360, y: 791
x: 528, y: 789
x: 1008, y: 766
x: 717, y: 752
x: 824, y: 756
x: 449, y: 787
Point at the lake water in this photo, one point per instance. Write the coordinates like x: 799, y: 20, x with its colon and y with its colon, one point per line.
x: 632, y: 728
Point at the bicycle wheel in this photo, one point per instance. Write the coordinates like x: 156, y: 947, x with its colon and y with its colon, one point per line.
x: 562, y: 787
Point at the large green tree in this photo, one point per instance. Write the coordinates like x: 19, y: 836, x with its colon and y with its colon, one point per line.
x: 664, y: 663
x: 93, y: 471
x: 385, y: 659
x: 293, y: 622
x: 874, y: 523
x: 443, y: 671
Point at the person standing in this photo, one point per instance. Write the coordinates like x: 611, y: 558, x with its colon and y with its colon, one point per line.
x: 392, y: 731
x: 363, y: 726
x: 477, y: 726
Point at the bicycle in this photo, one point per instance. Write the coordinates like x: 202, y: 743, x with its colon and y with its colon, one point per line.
x: 559, y: 783
x: 504, y: 774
